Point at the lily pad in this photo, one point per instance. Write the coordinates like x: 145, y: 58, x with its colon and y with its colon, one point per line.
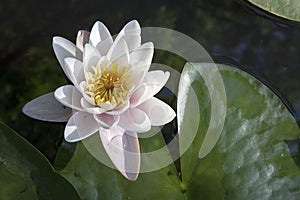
x: 26, y: 174
x: 289, y: 9
x: 94, y: 180
x: 251, y: 160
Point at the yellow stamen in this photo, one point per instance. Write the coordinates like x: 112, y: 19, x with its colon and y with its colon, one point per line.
x: 108, y: 85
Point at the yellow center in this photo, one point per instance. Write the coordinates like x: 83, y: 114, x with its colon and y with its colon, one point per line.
x: 110, y: 85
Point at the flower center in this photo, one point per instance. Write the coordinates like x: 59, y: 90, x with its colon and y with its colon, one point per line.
x: 110, y: 85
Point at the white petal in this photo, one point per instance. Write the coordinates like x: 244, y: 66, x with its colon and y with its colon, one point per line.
x: 152, y: 84
x: 90, y: 108
x: 47, y: 108
x: 63, y: 48
x: 107, y: 121
x: 142, y: 55
x: 74, y: 68
x: 131, y: 33
x: 69, y: 96
x: 158, y: 111
x: 104, y: 46
x: 132, y: 41
x: 123, y: 149
x: 119, y: 109
x: 86, y: 97
x: 136, y: 75
x: 107, y: 106
x: 99, y: 33
x: 91, y: 57
x: 135, y: 120
x: 80, y: 126
x: 119, y: 53
x: 82, y: 39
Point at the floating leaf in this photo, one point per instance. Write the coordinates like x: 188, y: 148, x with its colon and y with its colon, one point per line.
x: 289, y: 9
x: 94, y: 180
x: 251, y: 160
x: 26, y: 174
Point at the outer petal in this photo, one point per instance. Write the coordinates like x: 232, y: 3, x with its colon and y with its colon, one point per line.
x: 131, y: 33
x: 123, y: 149
x: 47, y: 108
x: 80, y: 126
x: 107, y: 121
x: 82, y: 39
x: 142, y: 55
x: 119, y: 53
x: 99, y: 33
x: 69, y: 96
x: 135, y: 120
x: 63, y: 48
x: 159, y: 112
x: 152, y: 84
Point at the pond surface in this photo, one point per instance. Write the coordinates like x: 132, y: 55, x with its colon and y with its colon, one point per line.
x: 230, y: 31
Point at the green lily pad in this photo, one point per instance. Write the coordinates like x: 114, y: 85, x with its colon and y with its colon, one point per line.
x: 94, y: 180
x: 289, y: 9
x: 251, y: 159
x: 26, y: 174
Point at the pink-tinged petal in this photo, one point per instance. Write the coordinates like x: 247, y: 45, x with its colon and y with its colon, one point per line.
x: 123, y: 149
x: 118, y: 53
x: 63, y: 48
x: 131, y: 33
x: 119, y: 109
x: 80, y: 126
x: 99, y: 33
x: 69, y: 96
x: 47, y: 108
x: 106, y: 121
x: 142, y: 55
x: 82, y: 38
x: 135, y: 120
x: 90, y: 108
x: 158, y: 111
x: 152, y: 84
x: 75, y: 70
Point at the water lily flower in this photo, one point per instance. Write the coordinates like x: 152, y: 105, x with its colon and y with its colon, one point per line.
x: 112, y: 92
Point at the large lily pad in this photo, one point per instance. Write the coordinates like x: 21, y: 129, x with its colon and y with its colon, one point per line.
x: 289, y: 9
x: 251, y: 159
x: 94, y: 180
x: 26, y: 174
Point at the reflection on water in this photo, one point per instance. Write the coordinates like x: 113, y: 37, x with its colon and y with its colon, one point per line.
x: 228, y: 30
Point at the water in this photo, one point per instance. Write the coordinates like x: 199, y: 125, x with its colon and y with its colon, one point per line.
x: 229, y: 30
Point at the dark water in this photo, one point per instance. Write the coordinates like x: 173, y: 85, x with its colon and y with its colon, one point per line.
x: 228, y: 30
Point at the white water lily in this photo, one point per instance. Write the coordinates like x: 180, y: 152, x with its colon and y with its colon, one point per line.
x: 112, y: 92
